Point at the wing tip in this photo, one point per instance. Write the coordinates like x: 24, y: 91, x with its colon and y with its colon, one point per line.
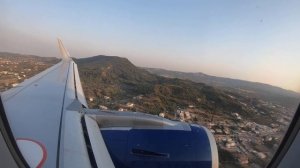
x: 63, y: 51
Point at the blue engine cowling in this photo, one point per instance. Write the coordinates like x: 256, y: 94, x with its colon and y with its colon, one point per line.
x: 145, y: 148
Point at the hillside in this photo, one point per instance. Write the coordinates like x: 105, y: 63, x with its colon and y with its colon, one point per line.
x: 263, y: 91
x: 113, y: 81
x: 119, y: 79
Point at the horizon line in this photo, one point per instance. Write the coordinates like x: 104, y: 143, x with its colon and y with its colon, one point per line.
x: 219, y: 76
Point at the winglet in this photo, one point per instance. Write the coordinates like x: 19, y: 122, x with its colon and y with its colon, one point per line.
x: 64, y: 52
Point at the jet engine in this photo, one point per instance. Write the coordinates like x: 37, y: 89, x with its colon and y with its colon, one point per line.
x: 136, y: 140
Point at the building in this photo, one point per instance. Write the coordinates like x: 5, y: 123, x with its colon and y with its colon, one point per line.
x: 106, y: 97
x: 129, y: 104
x: 14, y: 84
x: 103, y: 107
x: 261, y: 155
x: 191, y: 106
x: 162, y: 115
x: 187, y: 115
x: 181, y: 116
x: 122, y: 109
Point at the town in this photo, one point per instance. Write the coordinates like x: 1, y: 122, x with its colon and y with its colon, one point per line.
x: 15, y: 68
x: 241, y: 142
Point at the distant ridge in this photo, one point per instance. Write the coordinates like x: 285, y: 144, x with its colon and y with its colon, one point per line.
x: 28, y: 56
x: 261, y: 90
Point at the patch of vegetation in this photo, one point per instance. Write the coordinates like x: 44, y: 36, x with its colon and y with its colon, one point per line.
x: 121, y: 81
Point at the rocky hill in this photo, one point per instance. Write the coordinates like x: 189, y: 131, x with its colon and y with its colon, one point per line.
x: 113, y: 82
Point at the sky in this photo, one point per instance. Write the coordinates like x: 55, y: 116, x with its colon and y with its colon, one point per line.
x: 254, y: 40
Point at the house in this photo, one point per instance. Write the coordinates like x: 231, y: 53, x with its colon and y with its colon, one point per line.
x: 191, y: 106
x: 181, y: 116
x: 122, y: 109
x: 106, y: 97
x: 261, y: 155
x: 219, y: 131
x: 103, y: 107
x: 230, y: 144
x: 162, y: 115
x: 15, y: 84
x: 187, y: 115
x: 129, y: 104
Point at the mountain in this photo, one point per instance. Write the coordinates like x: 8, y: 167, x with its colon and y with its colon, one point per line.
x: 114, y: 82
x: 119, y: 79
x: 114, y: 76
x: 263, y: 91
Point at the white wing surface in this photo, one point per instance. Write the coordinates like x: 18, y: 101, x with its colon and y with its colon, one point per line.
x: 37, y: 109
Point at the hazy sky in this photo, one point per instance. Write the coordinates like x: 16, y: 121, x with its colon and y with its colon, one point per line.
x: 256, y: 40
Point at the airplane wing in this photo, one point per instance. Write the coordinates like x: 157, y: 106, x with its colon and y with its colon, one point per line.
x: 45, y: 122
x: 44, y: 114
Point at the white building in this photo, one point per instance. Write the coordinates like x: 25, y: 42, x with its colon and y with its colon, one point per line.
x: 129, y: 104
x: 181, y: 116
x: 102, y: 107
x: 191, y: 106
x: 162, y: 115
x: 122, y: 109
x: 106, y: 97
x: 261, y: 155
x: 15, y: 84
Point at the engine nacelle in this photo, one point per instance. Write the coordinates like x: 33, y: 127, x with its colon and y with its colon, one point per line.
x: 136, y: 148
x: 139, y: 140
